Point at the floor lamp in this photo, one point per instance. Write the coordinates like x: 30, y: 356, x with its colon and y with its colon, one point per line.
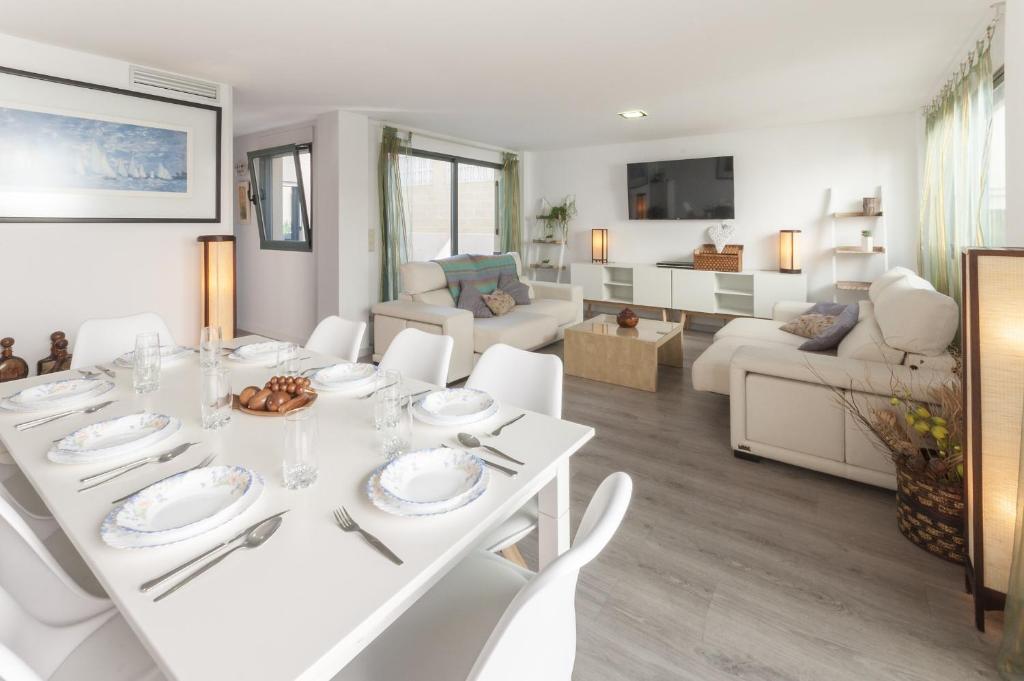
x: 218, y: 283
x: 993, y: 383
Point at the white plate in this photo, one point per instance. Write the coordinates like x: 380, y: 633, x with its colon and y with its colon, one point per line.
x: 169, y: 354
x: 265, y: 351
x: 113, y: 438
x: 344, y: 376
x: 181, y: 507
x: 455, y: 407
x: 387, y: 503
x: 63, y: 394
x: 431, y: 477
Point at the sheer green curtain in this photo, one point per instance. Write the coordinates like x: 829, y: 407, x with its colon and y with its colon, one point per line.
x: 393, y: 229
x: 954, y: 197
x: 510, y: 217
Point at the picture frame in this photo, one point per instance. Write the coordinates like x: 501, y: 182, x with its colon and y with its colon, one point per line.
x: 72, y: 151
x: 244, y: 206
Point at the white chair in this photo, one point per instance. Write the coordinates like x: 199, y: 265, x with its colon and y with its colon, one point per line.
x: 419, y: 355
x: 489, y: 620
x: 51, y: 625
x: 528, y: 380
x: 337, y: 337
x: 101, y: 340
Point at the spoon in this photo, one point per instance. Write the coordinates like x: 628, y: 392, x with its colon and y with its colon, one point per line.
x: 256, y: 538
x: 169, y: 455
x: 468, y: 440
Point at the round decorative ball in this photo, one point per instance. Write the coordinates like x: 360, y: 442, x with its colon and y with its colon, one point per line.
x: 627, y: 319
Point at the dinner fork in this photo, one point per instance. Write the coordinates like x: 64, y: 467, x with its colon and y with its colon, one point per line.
x: 497, y: 431
x: 25, y: 425
x: 374, y: 392
x: 202, y: 464
x: 346, y: 523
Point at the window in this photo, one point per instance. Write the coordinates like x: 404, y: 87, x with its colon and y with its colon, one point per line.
x: 997, y: 163
x: 281, y: 194
x: 451, y: 204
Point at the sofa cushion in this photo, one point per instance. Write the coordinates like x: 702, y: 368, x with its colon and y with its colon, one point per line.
x: 883, y: 281
x: 438, y: 296
x: 420, y: 277
x: 915, y: 317
x: 499, y: 302
x: 842, y: 324
x: 564, y: 311
x: 518, y: 328
x: 865, y: 341
x: 710, y: 372
x: 471, y: 299
x: 758, y: 330
x: 519, y: 291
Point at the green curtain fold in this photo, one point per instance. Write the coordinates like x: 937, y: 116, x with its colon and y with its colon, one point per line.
x: 394, y: 235
x: 510, y: 217
x: 954, y: 198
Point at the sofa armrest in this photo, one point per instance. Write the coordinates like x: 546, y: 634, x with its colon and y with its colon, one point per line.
x: 392, y: 317
x: 787, y: 310
x: 552, y: 291
x: 875, y: 378
x: 421, y: 312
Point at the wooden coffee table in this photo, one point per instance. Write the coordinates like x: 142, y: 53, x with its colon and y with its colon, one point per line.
x: 599, y: 349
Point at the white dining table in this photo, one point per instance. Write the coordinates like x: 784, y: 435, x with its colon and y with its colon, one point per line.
x: 301, y: 606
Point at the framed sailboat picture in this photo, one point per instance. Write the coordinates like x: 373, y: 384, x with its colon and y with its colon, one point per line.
x: 79, y: 152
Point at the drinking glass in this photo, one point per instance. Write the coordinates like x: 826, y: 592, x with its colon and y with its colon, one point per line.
x: 299, y: 467
x: 146, y: 363
x: 210, y: 341
x: 287, y: 359
x: 389, y: 383
x: 215, y: 398
x: 392, y: 415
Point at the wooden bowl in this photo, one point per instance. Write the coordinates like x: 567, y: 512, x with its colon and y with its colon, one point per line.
x: 263, y: 412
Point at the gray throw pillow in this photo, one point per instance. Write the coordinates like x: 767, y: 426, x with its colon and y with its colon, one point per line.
x: 846, y: 318
x: 511, y: 285
x: 471, y: 299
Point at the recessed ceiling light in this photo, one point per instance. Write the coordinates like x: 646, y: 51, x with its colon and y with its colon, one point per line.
x: 633, y: 113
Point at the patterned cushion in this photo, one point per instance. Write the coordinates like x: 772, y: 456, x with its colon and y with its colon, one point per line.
x: 499, y: 302
x: 471, y: 299
x: 511, y: 285
x: 807, y: 325
x: 830, y: 321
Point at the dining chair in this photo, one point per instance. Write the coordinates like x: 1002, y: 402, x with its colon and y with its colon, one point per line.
x: 528, y: 380
x: 419, y: 355
x: 337, y: 337
x: 490, y: 620
x: 101, y: 340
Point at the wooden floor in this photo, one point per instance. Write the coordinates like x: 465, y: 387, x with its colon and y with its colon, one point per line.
x: 725, y: 569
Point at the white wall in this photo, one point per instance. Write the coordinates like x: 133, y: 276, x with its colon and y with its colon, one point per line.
x: 782, y: 179
x: 1014, y: 55
x: 276, y: 289
x: 54, y: 276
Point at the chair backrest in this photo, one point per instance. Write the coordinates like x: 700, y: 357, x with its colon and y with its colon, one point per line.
x: 536, y: 636
x: 338, y: 337
x: 101, y: 340
x: 13, y: 668
x: 419, y: 355
x: 33, y: 578
x: 529, y: 380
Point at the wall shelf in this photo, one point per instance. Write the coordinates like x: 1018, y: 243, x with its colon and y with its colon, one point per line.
x: 549, y: 242
x: 849, y: 273
x: 853, y: 285
x: 855, y: 214
x: 542, y: 266
x: 856, y: 250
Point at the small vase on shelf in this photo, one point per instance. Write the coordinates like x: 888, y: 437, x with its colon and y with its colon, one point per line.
x: 867, y: 242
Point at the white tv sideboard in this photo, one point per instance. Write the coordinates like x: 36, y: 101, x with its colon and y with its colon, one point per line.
x: 751, y: 293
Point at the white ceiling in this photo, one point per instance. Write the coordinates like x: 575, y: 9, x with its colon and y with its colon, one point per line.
x: 531, y: 74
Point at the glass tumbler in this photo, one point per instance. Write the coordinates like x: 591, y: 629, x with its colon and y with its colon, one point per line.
x: 299, y: 467
x: 389, y: 384
x: 287, y: 359
x: 210, y: 342
x: 146, y: 363
x: 215, y: 398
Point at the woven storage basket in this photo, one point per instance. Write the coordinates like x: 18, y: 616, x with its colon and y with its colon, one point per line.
x: 931, y: 515
x: 729, y: 260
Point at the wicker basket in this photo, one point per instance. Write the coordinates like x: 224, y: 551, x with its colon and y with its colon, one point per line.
x: 729, y: 260
x: 931, y: 515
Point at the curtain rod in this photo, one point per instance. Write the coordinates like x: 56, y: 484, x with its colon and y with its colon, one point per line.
x: 973, y: 50
x: 446, y: 138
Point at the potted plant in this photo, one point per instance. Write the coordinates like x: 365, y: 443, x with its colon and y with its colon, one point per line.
x: 557, y: 219
x: 867, y: 242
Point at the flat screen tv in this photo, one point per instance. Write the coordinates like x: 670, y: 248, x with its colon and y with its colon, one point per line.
x: 690, y: 189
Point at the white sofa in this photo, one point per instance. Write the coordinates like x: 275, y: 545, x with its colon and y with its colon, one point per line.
x: 780, y: 407
x: 426, y: 304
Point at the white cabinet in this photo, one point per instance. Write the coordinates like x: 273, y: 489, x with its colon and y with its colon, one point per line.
x: 652, y: 286
x: 591, y: 277
x: 693, y: 290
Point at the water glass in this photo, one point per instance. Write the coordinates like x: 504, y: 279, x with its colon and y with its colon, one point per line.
x: 299, y: 467
x: 210, y: 342
x: 146, y: 363
x: 388, y: 385
x: 215, y: 398
x: 392, y: 415
x: 287, y: 359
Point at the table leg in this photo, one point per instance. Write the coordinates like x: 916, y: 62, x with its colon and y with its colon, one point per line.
x: 553, y: 525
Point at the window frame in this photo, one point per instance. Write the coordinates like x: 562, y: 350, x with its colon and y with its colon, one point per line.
x: 453, y: 228
x: 256, y: 190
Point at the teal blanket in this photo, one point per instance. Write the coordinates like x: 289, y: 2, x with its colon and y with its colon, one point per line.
x: 483, y: 271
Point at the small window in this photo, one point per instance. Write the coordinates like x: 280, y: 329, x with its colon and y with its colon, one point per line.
x: 281, y: 196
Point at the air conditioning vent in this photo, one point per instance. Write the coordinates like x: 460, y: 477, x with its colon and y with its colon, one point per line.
x: 170, y: 85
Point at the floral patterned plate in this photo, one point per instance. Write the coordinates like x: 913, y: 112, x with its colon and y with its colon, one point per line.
x: 169, y: 354
x: 113, y: 438
x: 63, y: 394
x: 181, y: 507
x: 265, y: 351
x: 389, y: 504
x: 455, y: 407
x: 432, y: 477
x: 344, y: 376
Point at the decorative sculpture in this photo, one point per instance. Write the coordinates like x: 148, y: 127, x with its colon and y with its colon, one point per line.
x: 11, y: 368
